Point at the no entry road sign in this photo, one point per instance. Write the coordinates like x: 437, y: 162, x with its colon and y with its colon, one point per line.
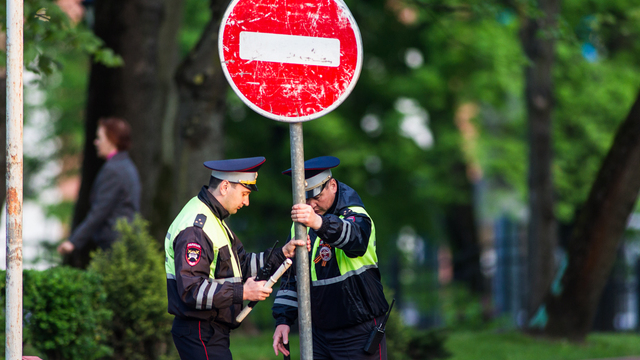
x: 290, y: 60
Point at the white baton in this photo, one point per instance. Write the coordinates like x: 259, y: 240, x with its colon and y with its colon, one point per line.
x: 272, y: 280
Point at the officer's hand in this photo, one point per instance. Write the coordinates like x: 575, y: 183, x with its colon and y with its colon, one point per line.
x: 289, y: 249
x: 65, y: 248
x: 281, y: 337
x: 305, y: 215
x: 255, y: 290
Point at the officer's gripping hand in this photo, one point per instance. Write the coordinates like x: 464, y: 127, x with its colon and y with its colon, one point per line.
x: 255, y: 290
x: 281, y: 337
x: 305, y: 215
x: 289, y: 249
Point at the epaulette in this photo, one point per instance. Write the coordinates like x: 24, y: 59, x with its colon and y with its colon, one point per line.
x: 200, y: 220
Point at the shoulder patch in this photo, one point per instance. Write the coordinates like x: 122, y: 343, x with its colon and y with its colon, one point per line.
x: 193, y: 253
x: 200, y: 220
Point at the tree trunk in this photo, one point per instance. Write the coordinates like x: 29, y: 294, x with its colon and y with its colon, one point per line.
x: 538, y: 45
x: 597, y: 234
x: 199, y: 127
x: 139, y: 91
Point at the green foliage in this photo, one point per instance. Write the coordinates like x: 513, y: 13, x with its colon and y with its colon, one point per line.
x: 48, y: 31
x: 196, y: 16
x: 461, y: 309
x: 407, y: 343
x: 398, y: 336
x: 65, y: 313
x: 427, y: 344
x: 134, y: 279
x: 404, y: 342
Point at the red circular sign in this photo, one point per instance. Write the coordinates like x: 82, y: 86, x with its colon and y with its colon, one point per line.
x: 293, y: 60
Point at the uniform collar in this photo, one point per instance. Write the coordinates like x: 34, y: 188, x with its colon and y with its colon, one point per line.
x: 212, y: 203
x: 345, y: 197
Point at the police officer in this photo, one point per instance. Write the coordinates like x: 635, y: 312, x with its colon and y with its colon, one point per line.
x: 347, y: 300
x: 209, y: 274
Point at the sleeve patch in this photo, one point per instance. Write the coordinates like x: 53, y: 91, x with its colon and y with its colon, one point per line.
x: 200, y: 220
x: 351, y: 218
x: 193, y: 253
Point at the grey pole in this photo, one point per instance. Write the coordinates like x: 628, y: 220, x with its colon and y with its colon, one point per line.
x: 302, y: 256
x: 13, y: 346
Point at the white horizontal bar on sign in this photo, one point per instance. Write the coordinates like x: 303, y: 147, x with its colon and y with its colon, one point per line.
x: 290, y: 49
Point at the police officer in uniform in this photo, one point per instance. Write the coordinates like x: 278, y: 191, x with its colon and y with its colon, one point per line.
x: 347, y: 300
x: 209, y: 273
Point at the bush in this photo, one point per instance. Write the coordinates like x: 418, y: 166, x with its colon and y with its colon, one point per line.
x: 64, y: 312
x: 405, y: 343
x: 135, y: 281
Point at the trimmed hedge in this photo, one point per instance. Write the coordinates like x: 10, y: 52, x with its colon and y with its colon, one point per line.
x: 116, y: 309
x: 65, y: 313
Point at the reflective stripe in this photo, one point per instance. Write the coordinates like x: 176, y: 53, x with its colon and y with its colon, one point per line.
x: 171, y: 277
x: 341, y: 235
x: 286, y: 302
x: 254, y: 269
x: 340, y: 278
x: 345, y: 237
x: 210, y: 294
x: 200, y: 296
x: 289, y: 293
x: 229, y: 280
x: 261, y: 259
x: 168, y: 235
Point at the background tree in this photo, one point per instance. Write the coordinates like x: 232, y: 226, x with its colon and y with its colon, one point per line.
x: 539, y: 26
x: 593, y: 245
x: 141, y: 91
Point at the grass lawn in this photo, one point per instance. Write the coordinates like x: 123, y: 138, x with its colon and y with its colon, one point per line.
x: 248, y: 347
x: 476, y: 346
x: 516, y: 346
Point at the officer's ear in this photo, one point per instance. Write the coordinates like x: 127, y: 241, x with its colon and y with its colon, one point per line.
x: 224, y: 187
x: 333, y: 185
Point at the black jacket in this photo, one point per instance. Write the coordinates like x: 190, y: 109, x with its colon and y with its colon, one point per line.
x: 226, y: 299
x: 115, y: 194
x: 351, y: 301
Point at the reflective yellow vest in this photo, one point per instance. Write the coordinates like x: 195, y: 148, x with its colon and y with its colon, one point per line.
x: 216, y: 231
x: 347, y: 266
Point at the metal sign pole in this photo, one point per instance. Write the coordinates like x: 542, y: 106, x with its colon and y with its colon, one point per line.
x: 302, y: 256
x: 13, y: 346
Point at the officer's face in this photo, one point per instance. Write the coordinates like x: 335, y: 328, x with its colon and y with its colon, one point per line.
x: 323, y: 201
x: 237, y: 197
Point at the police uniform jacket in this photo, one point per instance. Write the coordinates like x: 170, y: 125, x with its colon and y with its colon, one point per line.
x: 194, y: 289
x: 346, y: 289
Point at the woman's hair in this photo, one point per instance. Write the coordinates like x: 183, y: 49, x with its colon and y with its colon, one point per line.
x: 118, y: 132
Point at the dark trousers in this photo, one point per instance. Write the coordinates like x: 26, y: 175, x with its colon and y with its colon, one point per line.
x: 347, y: 343
x: 200, y: 340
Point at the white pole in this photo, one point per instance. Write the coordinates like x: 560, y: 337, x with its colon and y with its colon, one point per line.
x: 15, y: 15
